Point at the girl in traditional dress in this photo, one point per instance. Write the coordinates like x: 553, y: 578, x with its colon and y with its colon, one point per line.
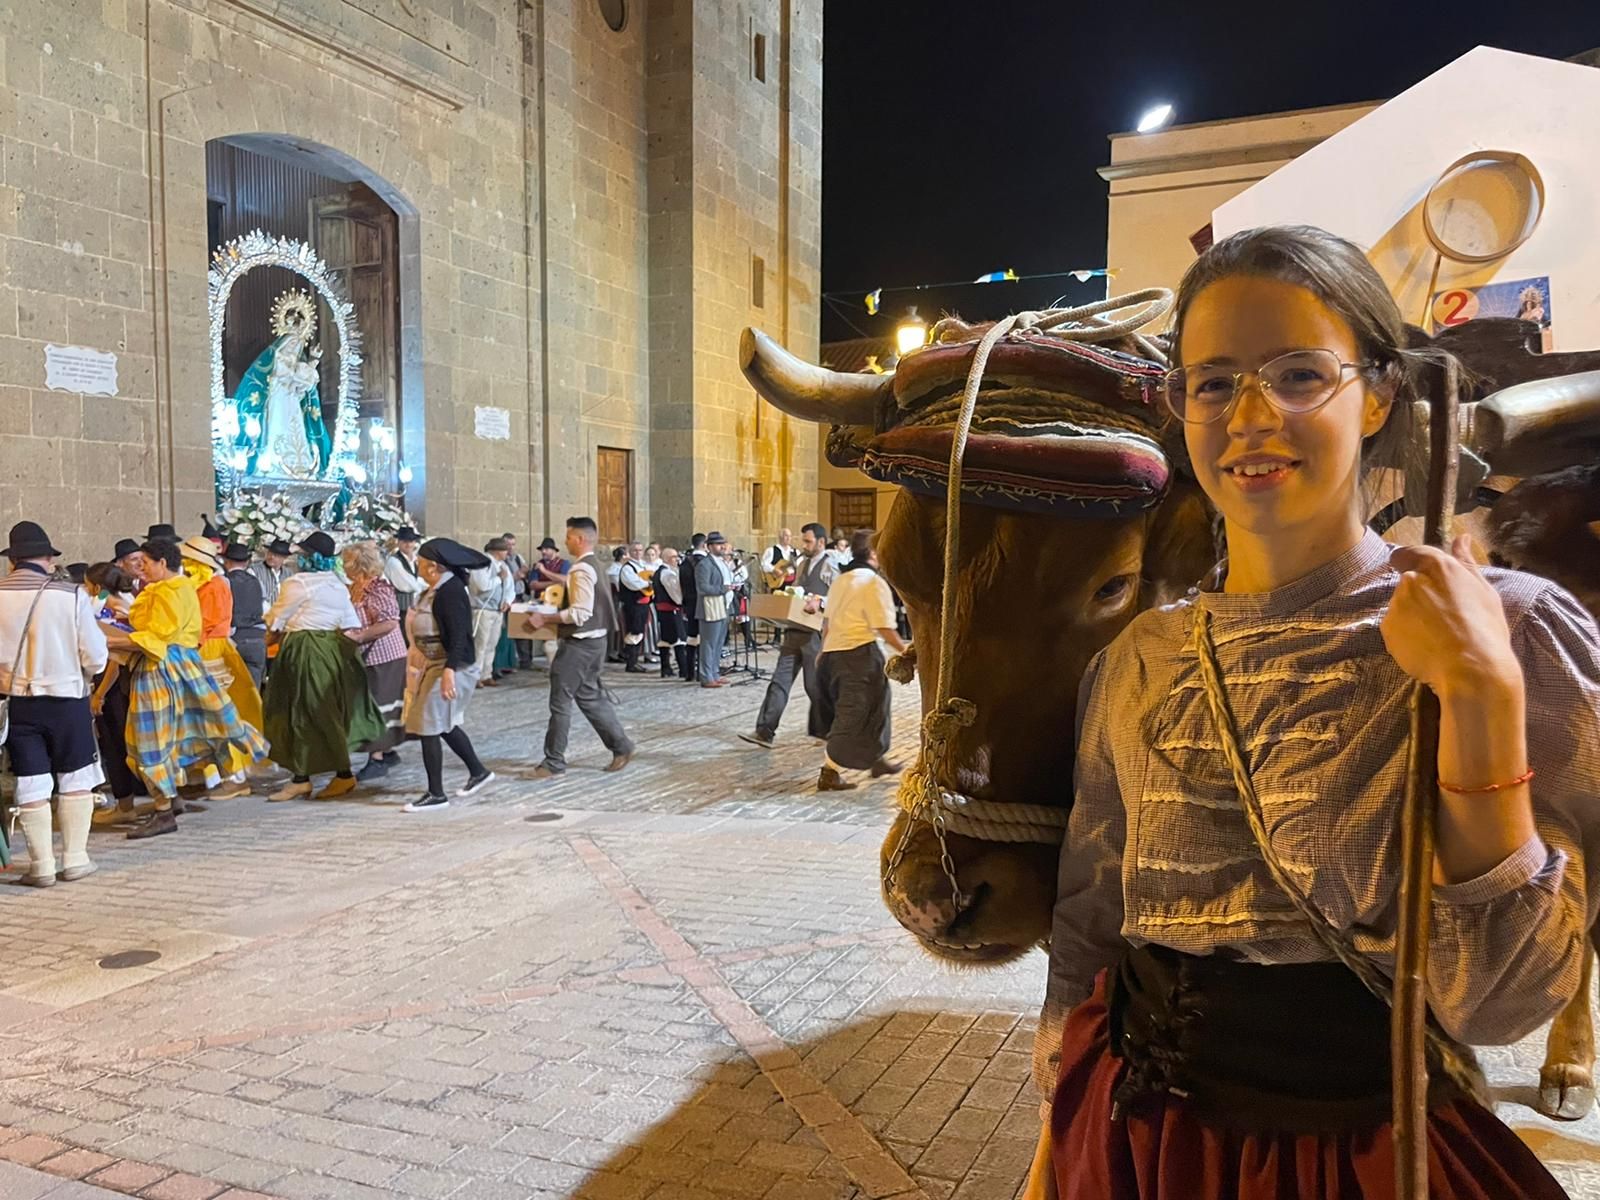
x: 442, y: 668
x: 1203, y: 1035
x: 383, y: 651
x: 202, y: 564
x: 179, y: 719
x: 318, y: 706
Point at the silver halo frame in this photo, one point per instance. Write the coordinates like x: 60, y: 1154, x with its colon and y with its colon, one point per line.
x: 228, y: 265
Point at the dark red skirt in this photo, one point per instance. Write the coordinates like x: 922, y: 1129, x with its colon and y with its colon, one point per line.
x: 1162, y: 1150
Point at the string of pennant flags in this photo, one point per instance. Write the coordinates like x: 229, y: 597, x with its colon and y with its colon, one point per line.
x: 872, y: 301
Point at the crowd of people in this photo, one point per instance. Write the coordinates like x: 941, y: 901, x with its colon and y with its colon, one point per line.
x: 181, y: 671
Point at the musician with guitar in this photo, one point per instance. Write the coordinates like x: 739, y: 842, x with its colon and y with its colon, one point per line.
x: 778, y: 562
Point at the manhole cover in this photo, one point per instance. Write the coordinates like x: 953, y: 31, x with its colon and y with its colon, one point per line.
x: 129, y: 958
x: 537, y: 818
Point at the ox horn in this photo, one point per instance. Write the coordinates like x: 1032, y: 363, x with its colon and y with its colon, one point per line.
x: 810, y: 393
x: 1543, y: 425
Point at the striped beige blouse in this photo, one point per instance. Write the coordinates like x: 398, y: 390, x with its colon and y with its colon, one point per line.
x: 1157, y: 849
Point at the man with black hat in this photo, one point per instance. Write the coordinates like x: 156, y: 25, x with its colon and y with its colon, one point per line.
x: 129, y: 559
x: 400, y: 569
x: 581, y: 630
x: 162, y: 532
x: 50, y: 645
x: 713, y: 587
x: 273, y: 569
x: 249, y: 630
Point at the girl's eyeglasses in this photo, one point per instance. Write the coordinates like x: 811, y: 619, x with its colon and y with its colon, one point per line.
x: 1301, y: 381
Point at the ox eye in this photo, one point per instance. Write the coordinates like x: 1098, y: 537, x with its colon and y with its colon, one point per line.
x: 1113, y: 589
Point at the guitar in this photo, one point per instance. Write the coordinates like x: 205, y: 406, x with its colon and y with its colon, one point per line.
x: 781, y: 575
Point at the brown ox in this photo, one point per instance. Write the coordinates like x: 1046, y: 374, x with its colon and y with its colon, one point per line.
x: 1073, y: 520
x: 1041, y: 592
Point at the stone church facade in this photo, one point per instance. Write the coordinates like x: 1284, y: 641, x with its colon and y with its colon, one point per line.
x: 589, y: 199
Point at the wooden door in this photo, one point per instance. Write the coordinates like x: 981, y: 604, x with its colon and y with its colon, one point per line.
x: 357, y: 235
x: 853, y: 510
x: 614, y: 494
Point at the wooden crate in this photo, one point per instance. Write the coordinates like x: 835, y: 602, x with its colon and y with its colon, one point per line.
x: 784, y: 610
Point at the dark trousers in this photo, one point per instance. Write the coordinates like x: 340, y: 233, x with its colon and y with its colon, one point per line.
x: 252, y: 647
x: 853, y: 696
x: 110, y: 729
x: 575, y: 680
x: 797, y: 655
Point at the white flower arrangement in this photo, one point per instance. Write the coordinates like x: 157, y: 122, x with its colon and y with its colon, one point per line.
x: 257, y: 519
x: 372, y: 515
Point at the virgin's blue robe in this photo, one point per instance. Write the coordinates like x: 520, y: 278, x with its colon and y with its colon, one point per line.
x: 251, y: 401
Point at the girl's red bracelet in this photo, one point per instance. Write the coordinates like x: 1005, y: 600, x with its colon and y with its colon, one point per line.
x: 1458, y: 790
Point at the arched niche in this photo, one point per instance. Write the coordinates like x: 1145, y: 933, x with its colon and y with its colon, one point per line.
x: 327, y: 142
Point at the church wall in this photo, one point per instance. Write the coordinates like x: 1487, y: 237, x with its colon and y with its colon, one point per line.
x: 596, y: 231
x: 741, y: 176
x: 514, y: 141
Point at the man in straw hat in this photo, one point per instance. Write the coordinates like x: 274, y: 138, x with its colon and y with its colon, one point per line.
x: 49, y: 646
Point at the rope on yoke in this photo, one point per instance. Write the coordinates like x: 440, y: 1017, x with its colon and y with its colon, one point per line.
x: 920, y: 797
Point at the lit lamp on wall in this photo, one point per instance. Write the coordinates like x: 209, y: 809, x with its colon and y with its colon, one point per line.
x: 911, y: 334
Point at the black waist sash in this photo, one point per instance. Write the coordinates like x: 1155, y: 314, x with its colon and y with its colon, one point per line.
x: 1301, y: 1048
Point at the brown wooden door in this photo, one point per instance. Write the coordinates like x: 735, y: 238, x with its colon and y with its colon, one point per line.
x: 357, y: 236
x: 853, y: 510
x: 614, y: 494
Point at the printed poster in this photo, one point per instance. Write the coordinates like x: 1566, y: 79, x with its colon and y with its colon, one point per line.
x: 1525, y: 299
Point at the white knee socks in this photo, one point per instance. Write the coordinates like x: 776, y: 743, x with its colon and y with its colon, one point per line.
x: 34, y: 821
x: 75, y: 812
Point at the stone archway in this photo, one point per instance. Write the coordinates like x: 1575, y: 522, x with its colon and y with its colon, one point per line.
x: 184, y: 121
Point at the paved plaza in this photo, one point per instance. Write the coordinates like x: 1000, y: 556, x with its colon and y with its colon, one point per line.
x: 673, y: 983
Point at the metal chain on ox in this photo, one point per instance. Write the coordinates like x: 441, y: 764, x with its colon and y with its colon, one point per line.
x: 920, y: 797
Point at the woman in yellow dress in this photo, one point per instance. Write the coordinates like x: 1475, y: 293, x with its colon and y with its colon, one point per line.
x: 180, y: 718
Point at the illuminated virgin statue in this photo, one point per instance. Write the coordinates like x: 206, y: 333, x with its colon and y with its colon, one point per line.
x: 280, y: 407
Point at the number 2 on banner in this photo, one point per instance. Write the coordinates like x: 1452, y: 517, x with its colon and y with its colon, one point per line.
x: 1455, y: 307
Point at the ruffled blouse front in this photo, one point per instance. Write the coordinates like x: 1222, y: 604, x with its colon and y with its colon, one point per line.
x: 1158, y: 851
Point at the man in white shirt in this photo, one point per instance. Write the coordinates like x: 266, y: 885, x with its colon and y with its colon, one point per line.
x: 782, y: 553
x: 633, y: 586
x: 492, y: 589
x: 400, y: 569
x: 50, y: 646
x: 581, y: 629
x: 853, y: 692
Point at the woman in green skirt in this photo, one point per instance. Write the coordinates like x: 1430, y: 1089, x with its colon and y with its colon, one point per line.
x: 317, y: 704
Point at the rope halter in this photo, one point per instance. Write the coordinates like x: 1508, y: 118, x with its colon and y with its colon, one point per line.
x: 920, y: 795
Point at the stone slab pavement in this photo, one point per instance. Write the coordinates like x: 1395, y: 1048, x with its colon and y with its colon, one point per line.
x: 673, y: 982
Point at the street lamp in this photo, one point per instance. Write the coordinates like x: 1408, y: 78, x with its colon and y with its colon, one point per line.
x: 911, y: 334
x: 1154, y: 117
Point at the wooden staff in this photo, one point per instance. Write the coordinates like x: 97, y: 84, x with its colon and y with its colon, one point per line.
x: 1408, y: 1022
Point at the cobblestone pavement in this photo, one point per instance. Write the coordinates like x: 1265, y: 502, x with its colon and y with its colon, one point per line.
x: 676, y: 982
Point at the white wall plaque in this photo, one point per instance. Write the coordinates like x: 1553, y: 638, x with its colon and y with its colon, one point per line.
x: 80, y: 369
x: 492, y: 424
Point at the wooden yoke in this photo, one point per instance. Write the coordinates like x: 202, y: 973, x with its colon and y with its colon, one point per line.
x: 1408, y: 1028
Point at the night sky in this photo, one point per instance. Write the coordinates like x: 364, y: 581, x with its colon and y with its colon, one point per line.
x: 962, y: 136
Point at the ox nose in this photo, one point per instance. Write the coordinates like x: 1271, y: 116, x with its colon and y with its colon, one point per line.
x: 926, y: 917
